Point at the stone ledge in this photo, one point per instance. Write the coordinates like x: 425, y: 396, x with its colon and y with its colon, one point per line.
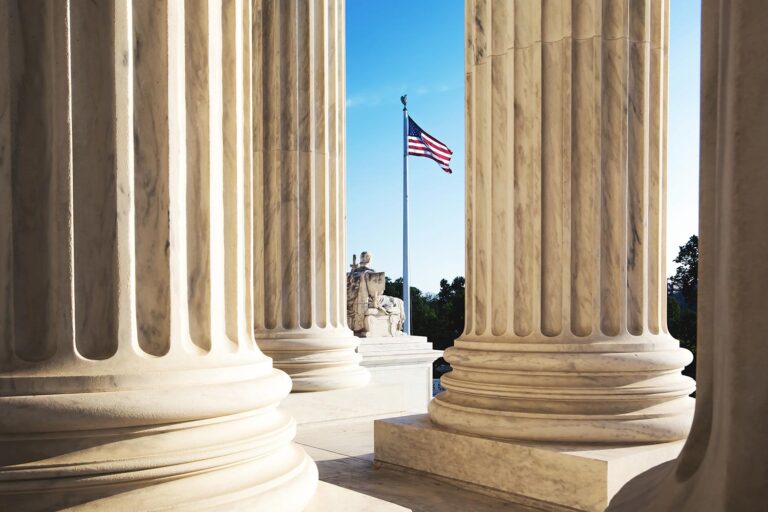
x: 547, y: 476
x: 400, y: 350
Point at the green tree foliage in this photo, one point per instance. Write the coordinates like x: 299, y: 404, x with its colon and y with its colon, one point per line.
x: 450, y: 303
x: 440, y: 316
x: 685, y: 279
x: 682, y: 289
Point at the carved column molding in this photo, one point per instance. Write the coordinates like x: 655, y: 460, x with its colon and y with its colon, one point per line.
x: 566, y: 336
x: 299, y: 186
x: 129, y: 375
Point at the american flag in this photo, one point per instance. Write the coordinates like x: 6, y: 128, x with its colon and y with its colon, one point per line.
x: 420, y: 143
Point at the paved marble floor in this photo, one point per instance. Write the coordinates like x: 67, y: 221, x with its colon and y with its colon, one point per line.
x: 344, y: 456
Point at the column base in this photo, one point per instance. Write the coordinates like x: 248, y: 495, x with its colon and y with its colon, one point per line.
x: 554, y: 477
x: 316, y: 360
x: 307, y: 377
x: 254, y: 485
x: 197, y: 440
x: 614, y: 390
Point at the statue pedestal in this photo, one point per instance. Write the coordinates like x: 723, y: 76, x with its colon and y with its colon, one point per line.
x: 378, y: 325
x: 401, y: 383
x: 405, y: 361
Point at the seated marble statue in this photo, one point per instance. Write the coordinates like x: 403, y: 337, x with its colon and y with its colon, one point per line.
x: 369, y: 311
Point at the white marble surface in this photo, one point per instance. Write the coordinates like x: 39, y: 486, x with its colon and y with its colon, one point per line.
x: 371, y: 400
x: 382, y: 350
x: 129, y: 374
x: 299, y: 300
x: 344, y: 455
x: 548, y: 476
x: 405, y: 361
x: 333, y: 498
x: 565, y: 336
x: 723, y: 466
x: 401, y: 383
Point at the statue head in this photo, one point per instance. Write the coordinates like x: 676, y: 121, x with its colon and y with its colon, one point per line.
x: 365, y: 258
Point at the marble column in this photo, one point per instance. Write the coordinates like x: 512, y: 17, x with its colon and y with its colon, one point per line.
x: 566, y: 337
x: 723, y: 465
x: 129, y: 375
x: 298, y: 188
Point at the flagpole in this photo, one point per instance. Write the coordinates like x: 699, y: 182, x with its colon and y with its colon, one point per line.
x: 406, y: 259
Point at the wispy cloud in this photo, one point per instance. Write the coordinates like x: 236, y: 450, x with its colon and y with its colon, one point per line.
x: 363, y: 100
x: 375, y: 98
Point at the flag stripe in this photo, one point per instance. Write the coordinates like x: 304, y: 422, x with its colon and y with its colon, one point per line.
x: 420, y: 143
x: 438, y: 149
x: 416, y: 144
x: 431, y: 157
x: 422, y: 151
x: 434, y: 142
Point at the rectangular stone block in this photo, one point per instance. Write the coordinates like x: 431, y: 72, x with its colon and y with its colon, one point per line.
x: 547, y: 476
x: 403, y: 360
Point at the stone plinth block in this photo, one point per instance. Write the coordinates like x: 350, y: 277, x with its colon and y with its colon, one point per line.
x: 404, y: 361
x: 548, y: 476
x: 388, y: 350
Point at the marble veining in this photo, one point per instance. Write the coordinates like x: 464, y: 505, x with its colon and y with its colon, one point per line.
x: 565, y: 144
x: 565, y: 214
x: 300, y: 308
x: 129, y: 373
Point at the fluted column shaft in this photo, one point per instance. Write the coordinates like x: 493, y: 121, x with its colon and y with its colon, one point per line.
x: 722, y: 466
x: 565, y: 336
x: 299, y: 186
x: 129, y: 375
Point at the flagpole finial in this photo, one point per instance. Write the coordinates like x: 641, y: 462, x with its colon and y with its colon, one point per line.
x: 404, y: 101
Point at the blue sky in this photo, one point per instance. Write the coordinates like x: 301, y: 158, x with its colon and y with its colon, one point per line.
x: 399, y: 46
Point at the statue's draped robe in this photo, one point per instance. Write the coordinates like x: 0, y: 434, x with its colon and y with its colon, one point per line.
x: 364, y: 285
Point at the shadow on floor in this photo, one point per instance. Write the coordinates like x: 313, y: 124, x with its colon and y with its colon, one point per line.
x: 417, y: 492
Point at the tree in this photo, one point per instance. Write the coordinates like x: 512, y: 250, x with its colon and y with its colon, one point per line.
x: 439, y: 317
x: 685, y: 279
x: 450, y: 311
x: 682, y: 289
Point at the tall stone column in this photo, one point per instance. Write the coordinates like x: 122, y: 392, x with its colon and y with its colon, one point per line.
x: 566, y: 338
x: 129, y: 375
x: 723, y: 465
x: 299, y: 186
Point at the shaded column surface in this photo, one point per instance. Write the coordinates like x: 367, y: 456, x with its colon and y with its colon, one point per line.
x: 566, y: 336
x: 298, y: 189
x: 129, y: 375
x: 723, y: 465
